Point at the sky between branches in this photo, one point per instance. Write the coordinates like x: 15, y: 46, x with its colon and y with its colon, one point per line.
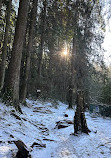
x: 107, y: 40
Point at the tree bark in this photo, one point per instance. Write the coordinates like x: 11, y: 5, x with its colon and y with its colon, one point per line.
x: 71, y: 80
x: 80, y: 124
x: 12, y: 79
x: 29, y: 51
x: 70, y: 95
x: 43, y: 18
x: 4, y: 52
x: 1, y: 1
x: 51, y: 58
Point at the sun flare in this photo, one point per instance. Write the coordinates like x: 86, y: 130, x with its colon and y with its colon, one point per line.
x: 65, y: 52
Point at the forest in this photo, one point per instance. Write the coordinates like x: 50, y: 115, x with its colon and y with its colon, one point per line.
x: 55, y: 83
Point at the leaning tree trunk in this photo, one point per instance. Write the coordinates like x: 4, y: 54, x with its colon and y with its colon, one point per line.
x: 4, y: 52
x: 29, y: 51
x: 12, y: 79
x: 80, y: 124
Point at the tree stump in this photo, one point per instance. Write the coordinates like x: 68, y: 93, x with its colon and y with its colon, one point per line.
x: 22, y: 150
x: 80, y: 124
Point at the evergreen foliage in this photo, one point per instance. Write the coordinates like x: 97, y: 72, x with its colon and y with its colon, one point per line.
x: 75, y: 26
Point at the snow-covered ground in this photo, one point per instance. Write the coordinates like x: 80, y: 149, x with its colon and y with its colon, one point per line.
x: 37, y: 124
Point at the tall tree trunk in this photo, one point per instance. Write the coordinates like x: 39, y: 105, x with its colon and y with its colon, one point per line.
x: 1, y: 1
x: 51, y: 58
x: 12, y: 79
x: 4, y: 52
x: 71, y: 80
x: 29, y: 51
x: 43, y: 20
x: 80, y: 124
x: 70, y: 87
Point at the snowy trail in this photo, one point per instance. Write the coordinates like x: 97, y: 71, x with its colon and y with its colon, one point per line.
x: 38, y: 124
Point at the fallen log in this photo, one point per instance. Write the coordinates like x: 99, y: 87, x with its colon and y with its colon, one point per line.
x: 38, y: 145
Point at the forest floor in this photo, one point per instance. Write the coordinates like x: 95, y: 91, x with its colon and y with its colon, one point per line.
x: 39, y: 127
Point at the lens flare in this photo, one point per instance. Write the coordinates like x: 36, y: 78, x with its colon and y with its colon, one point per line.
x: 65, y: 52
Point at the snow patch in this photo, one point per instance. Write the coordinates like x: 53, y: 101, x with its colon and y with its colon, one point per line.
x: 38, y: 124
